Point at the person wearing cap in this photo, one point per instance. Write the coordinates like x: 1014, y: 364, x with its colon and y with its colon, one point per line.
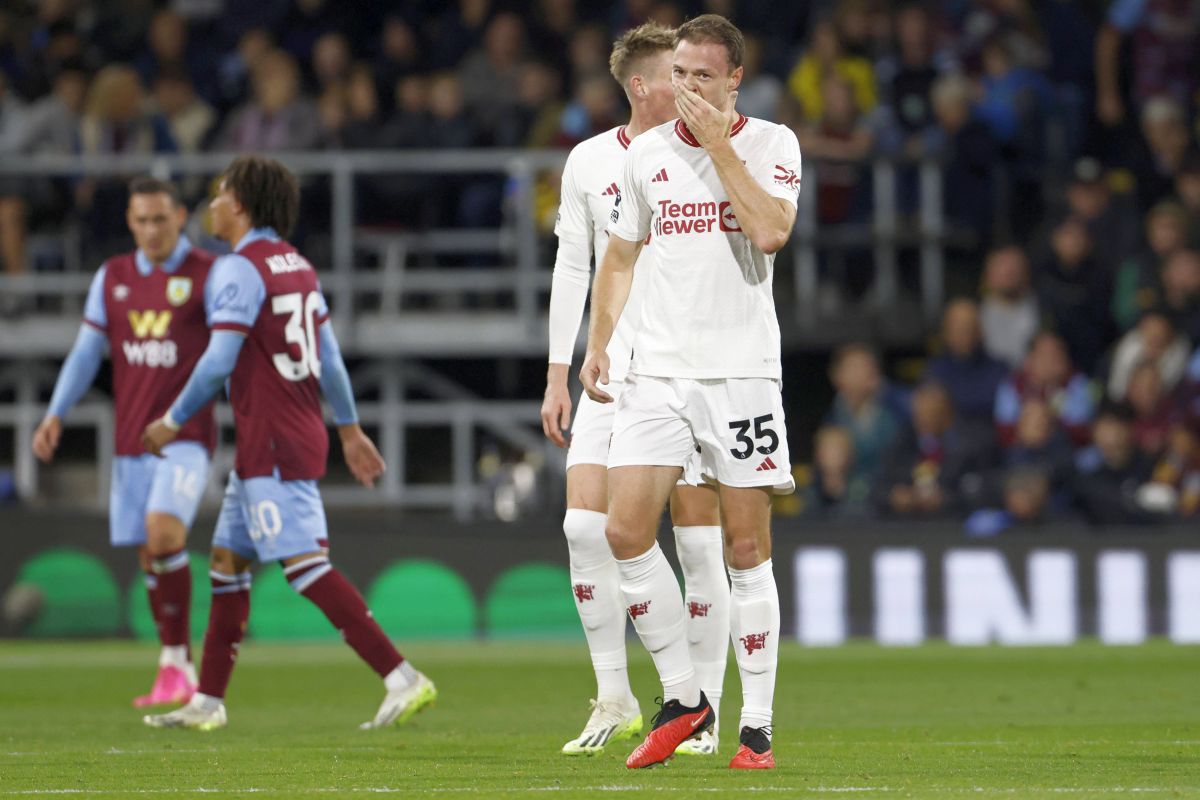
x: 1109, y: 218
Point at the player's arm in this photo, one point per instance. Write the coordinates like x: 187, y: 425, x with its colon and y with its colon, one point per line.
x: 233, y: 296
x: 766, y: 220
x: 78, y: 371
x: 364, y: 461
x: 568, y: 296
x: 614, y: 279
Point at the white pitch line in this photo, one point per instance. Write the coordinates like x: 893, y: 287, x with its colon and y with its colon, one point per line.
x: 977, y: 790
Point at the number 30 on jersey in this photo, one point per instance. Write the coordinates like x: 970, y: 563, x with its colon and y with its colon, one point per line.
x: 300, y: 330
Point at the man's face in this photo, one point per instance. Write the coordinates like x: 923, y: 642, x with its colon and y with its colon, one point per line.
x: 155, y: 222
x: 704, y: 68
x: 660, y: 93
x: 223, y: 212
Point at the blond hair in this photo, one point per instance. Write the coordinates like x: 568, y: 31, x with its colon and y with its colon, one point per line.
x: 636, y: 44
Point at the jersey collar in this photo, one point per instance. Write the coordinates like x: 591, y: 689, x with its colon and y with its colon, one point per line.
x: 623, y: 137
x: 253, y: 235
x: 182, y: 248
x: 681, y: 130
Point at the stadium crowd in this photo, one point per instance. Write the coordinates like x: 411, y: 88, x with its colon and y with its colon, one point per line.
x: 1069, y: 382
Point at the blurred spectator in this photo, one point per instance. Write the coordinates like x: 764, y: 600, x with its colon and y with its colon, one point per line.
x: 909, y: 89
x: 1164, y: 44
x: 1014, y: 99
x: 1180, y: 289
x: 491, y: 75
x: 1036, y: 472
x: 399, y: 56
x: 588, y: 52
x: 1152, y: 408
x: 54, y: 42
x: 1156, y: 341
x: 1009, y: 314
x: 760, y: 92
x: 550, y: 31
x: 116, y: 122
x: 167, y: 49
x: 1109, y: 474
x: 840, y: 141
x: 1137, y: 286
x: 595, y: 108
x: 838, y: 488
x: 1187, y: 191
x: 12, y: 206
x: 534, y: 121
x: 349, y: 112
x: 1176, y: 476
x: 449, y: 125
x: 1046, y: 376
x: 330, y: 61
x: 968, y: 153
x: 277, y: 117
x: 964, y: 369
x: 1112, y: 222
x: 826, y: 57
x: 864, y: 407
x: 409, y: 124
x: 1011, y: 22
x: 934, y: 467
x: 457, y: 31
x: 305, y: 23
x: 1075, y: 293
x: 188, y: 117
x: 235, y: 69
x: 1165, y: 145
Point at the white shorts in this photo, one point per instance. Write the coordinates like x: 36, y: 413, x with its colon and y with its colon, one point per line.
x: 737, y: 424
x: 592, y: 429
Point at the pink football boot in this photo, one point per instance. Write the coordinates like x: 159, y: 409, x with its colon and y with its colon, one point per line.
x: 173, y: 685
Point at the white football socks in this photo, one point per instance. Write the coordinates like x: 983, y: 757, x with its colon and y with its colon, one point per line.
x: 655, y: 605
x: 702, y: 555
x: 403, y: 676
x: 596, y: 585
x: 174, y: 655
x: 754, y: 613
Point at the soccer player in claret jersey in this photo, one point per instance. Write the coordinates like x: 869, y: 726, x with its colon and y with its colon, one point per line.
x: 148, y: 308
x: 718, y: 193
x: 273, y: 341
x: 641, y: 63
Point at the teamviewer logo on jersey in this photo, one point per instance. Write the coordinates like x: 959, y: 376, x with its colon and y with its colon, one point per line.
x: 695, y: 217
x: 661, y: 177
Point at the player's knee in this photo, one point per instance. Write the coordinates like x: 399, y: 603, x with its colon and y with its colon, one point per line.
x: 223, y: 561
x: 145, y: 560
x: 745, y: 552
x: 586, y: 542
x: 165, y: 533
x: 623, y: 540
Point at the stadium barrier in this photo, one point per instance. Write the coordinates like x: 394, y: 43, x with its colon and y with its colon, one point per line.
x: 896, y: 584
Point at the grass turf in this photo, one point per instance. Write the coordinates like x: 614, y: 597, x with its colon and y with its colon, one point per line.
x: 1082, y: 721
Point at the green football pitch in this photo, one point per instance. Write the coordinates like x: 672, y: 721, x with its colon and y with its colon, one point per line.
x: 859, y: 721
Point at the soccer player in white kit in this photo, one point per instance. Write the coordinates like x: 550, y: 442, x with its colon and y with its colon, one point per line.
x: 717, y: 192
x: 641, y: 63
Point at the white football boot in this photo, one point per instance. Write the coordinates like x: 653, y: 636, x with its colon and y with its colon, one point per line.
x: 611, y: 721
x: 200, y: 714
x: 703, y: 745
x: 400, y: 705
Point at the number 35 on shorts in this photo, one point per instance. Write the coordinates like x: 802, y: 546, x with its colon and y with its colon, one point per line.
x: 755, y: 435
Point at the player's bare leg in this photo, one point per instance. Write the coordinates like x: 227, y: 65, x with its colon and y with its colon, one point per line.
x: 754, y: 618
x: 700, y: 545
x: 230, y: 573
x: 169, y: 586
x: 637, y: 496
x: 596, y: 585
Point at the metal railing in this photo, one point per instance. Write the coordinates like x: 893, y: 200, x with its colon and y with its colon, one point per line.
x: 376, y: 322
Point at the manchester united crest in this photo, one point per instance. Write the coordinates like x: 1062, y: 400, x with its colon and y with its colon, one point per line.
x: 178, y: 290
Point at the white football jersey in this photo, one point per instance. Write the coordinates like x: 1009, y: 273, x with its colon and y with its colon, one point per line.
x: 591, y: 185
x: 708, y: 310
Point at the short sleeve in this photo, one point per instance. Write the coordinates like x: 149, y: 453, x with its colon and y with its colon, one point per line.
x: 94, y: 312
x: 631, y: 213
x: 1125, y: 15
x: 573, y: 220
x: 776, y: 167
x: 234, y: 294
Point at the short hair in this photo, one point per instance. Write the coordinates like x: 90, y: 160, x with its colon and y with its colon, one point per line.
x: 146, y: 184
x: 636, y: 44
x: 267, y: 190
x: 851, y: 349
x: 715, y: 29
